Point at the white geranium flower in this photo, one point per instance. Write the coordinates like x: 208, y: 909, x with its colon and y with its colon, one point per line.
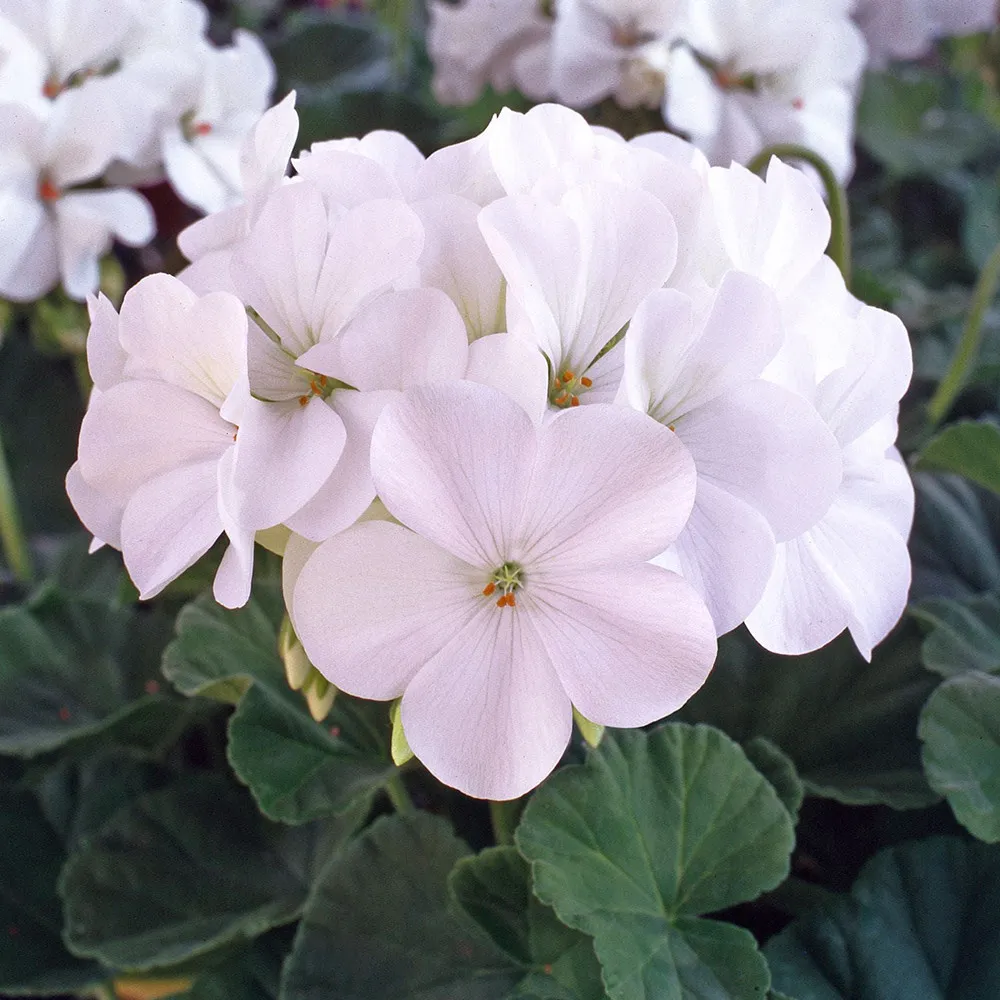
x: 751, y: 73
x: 503, y: 43
x: 516, y: 586
x: 49, y: 230
x: 157, y: 439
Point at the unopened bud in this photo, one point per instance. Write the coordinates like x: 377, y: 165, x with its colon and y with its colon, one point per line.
x: 590, y: 731
x: 319, y: 694
x: 399, y: 746
x: 297, y: 665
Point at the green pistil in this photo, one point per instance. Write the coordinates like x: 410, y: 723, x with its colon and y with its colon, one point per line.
x: 507, y: 579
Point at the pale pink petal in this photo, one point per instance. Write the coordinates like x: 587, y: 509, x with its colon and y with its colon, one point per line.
x: 630, y: 645
x: 349, y: 490
x: 726, y: 552
x: 136, y: 431
x: 605, y: 375
x: 216, y: 232
x: 676, y: 361
x: 297, y: 553
x: 515, y: 367
x: 375, y: 603
x: 768, y: 447
x: 105, y: 355
x: 196, y: 343
x: 345, y: 176
x: 284, y: 453
x: 29, y: 262
x: 100, y: 515
x: 453, y: 461
x: 399, y: 340
x: 487, y: 714
x: 234, y: 577
x: 268, y: 145
x: 609, y: 485
x: 169, y: 524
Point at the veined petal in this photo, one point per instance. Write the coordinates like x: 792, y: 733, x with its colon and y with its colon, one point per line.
x: 770, y: 448
x: 105, y: 355
x: 136, y: 431
x: 515, y: 367
x: 196, y: 343
x: 399, y: 340
x: 375, y: 603
x: 675, y: 361
x: 29, y: 262
x: 234, y: 577
x: 101, y: 515
x: 284, y: 453
x: 487, y: 714
x: 452, y: 461
x: 609, y: 485
x: 630, y: 645
x: 726, y: 552
x: 349, y: 490
x: 169, y: 524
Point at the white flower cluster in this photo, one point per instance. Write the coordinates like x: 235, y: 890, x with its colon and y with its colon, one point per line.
x: 531, y: 420
x: 735, y: 76
x: 97, y: 96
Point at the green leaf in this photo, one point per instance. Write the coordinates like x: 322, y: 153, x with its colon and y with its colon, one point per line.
x: 922, y: 921
x: 33, y: 958
x: 778, y: 768
x: 969, y: 448
x: 849, y: 726
x: 494, y: 890
x: 74, y: 668
x: 183, y: 871
x: 955, y: 543
x: 960, y: 727
x: 378, y: 924
x: 965, y: 634
x: 255, y: 974
x: 219, y: 653
x: 653, y: 831
x: 296, y: 768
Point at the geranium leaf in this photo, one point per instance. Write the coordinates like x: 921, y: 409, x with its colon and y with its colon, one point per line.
x: 923, y: 920
x: 653, y: 831
x: 960, y: 728
x: 965, y: 634
x: 969, y: 448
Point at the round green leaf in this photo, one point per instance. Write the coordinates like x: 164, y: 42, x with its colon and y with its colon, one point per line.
x: 921, y: 923
x: 849, y: 726
x: 299, y: 769
x: 183, y: 871
x: 653, y: 831
x: 965, y: 634
x: 378, y: 924
x: 960, y: 727
x: 778, y: 768
x: 969, y: 448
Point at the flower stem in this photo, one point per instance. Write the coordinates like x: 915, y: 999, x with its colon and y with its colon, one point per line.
x: 968, y: 346
x: 840, y: 214
x: 15, y: 545
x: 504, y: 816
x: 399, y: 796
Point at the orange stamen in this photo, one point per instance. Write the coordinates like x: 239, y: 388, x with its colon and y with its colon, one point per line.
x: 51, y: 89
x: 315, y: 388
x: 798, y: 104
x: 671, y: 427
x: 322, y: 380
x: 560, y: 399
x: 510, y: 601
x: 502, y: 602
x: 202, y: 128
x: 575, y: 401
x: 489, y: 588
x: 586, y: 382
x: 568, y: 376
x: 303, y: 400
x: 47, y: 191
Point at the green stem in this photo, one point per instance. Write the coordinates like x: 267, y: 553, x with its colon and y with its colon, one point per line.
x: 840, y: 214
x: 968, y: 346
x: 15, y: 545
x: 504, y: 816
x: 399, y: 796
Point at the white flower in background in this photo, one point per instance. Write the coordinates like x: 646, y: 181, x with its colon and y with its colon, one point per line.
x: 906, y: 29
x: 503, y: 43
x: 158, y: 437
x: 517, y: 588
x: 604, y: 48
x: 49, y: 230
x: 752, y: 73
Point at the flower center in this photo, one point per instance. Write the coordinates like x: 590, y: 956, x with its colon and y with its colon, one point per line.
x: 567, y: 388
x: 319, y: 385
x: 47, y: 191
x: 192, y: 128
x: 508, y: 578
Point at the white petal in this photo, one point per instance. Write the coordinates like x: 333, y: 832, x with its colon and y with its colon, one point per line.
x: 452, y: 461
x: 609, y: 485
x: 105, y: 355
x: 770, y: 448
x: 373, y: 604
x: 268, y: 145
x: 169, y: 524
x: 515, y: 367
x: 630, y: 645
x: 726, y: 552
x: 284, y: 453
x: 349, y: 490
x: 100, y: 515
x: 487, y: 714
x: 29, y: 264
